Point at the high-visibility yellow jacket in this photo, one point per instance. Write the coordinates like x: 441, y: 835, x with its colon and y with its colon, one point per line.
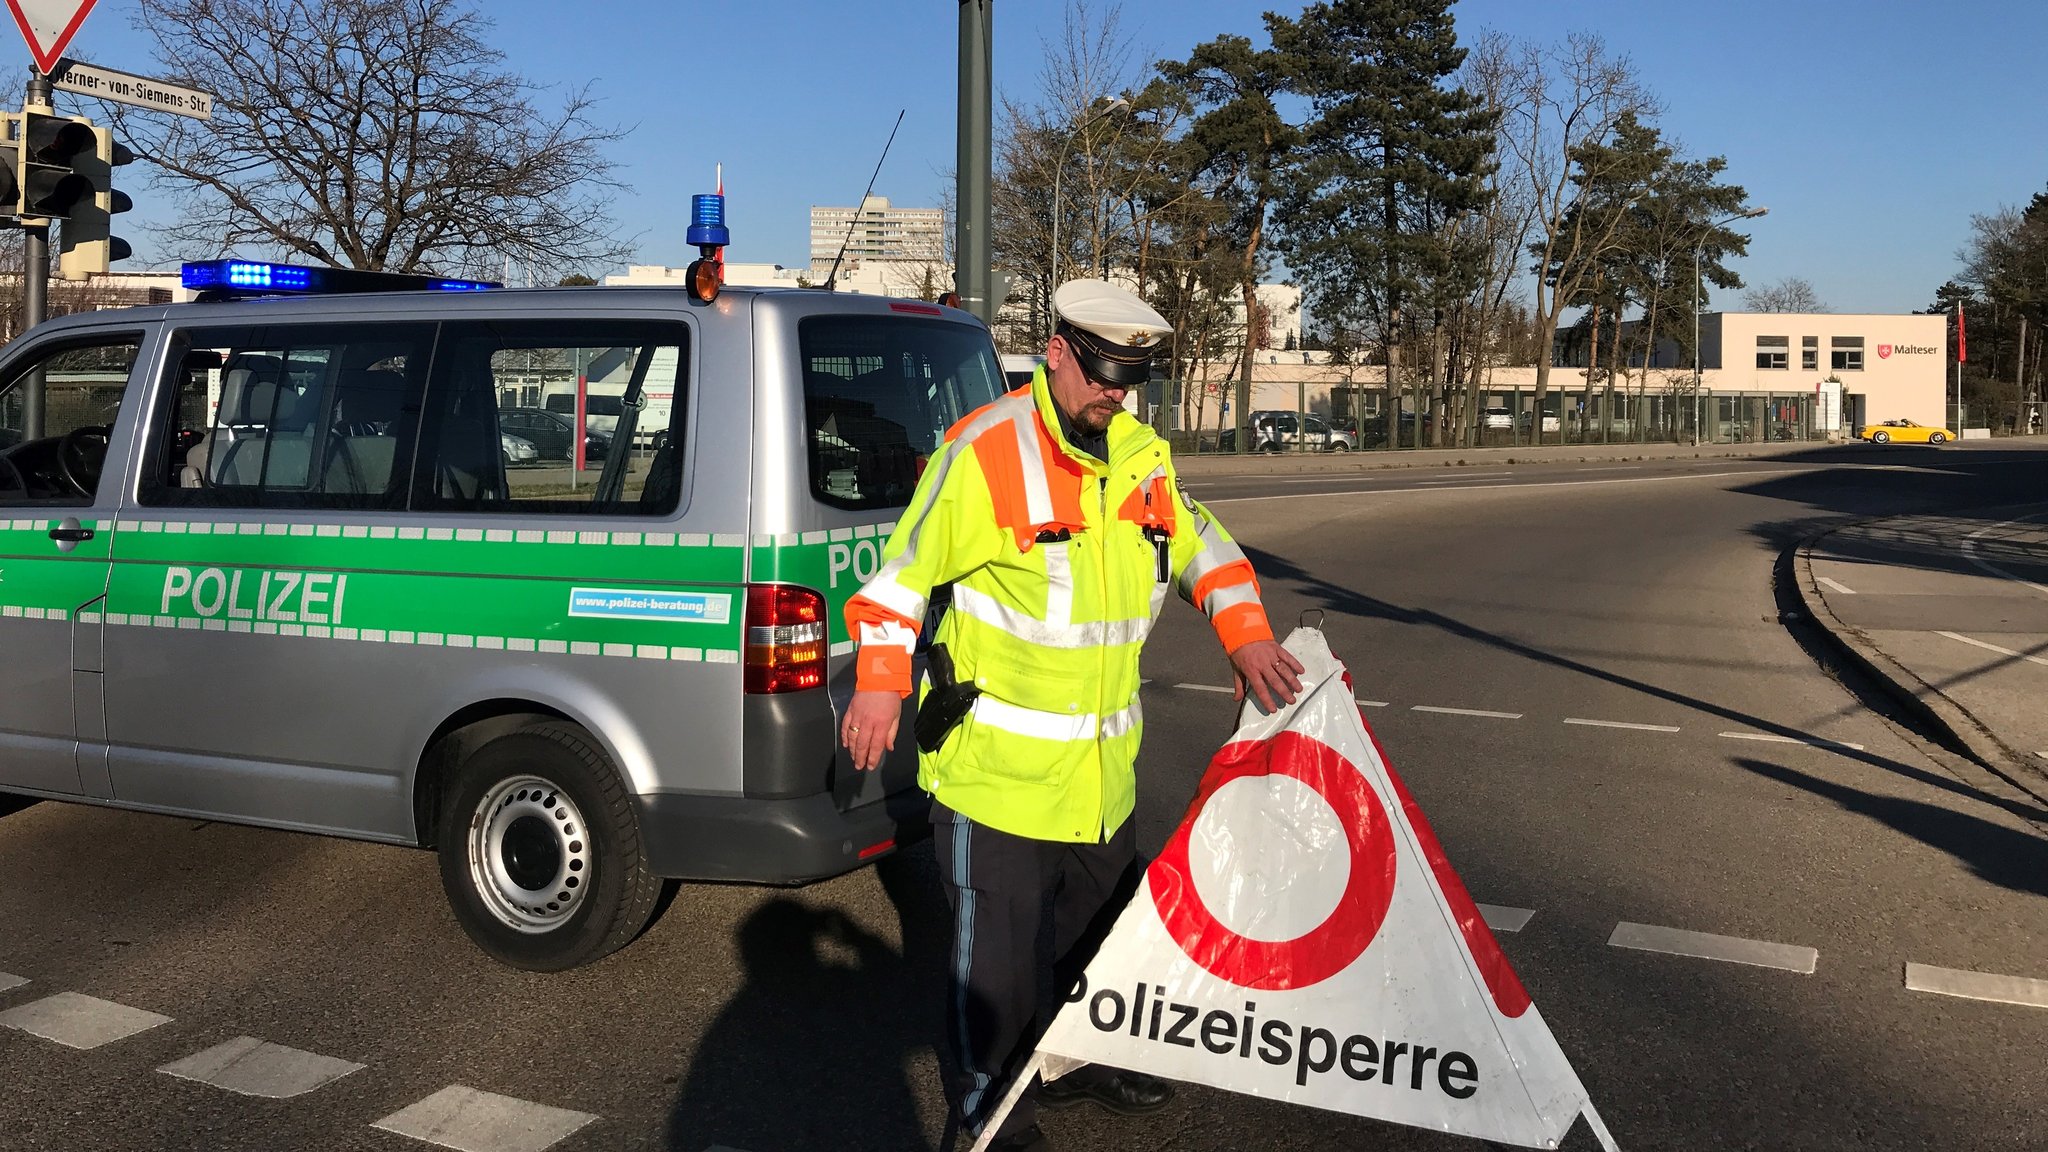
x: 1054, y: 560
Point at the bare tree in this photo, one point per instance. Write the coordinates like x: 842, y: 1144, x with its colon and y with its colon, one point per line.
x: 1792, y: 294
x: 1568, y: 101
x: 375, y: 134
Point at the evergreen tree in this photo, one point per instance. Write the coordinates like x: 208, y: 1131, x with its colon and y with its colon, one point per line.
x: 1395, y: 158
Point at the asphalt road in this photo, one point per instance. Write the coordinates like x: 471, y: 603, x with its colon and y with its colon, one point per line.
x: 1638, y: 594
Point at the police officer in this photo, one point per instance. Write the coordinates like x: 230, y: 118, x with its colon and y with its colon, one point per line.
x: 1060, y: 523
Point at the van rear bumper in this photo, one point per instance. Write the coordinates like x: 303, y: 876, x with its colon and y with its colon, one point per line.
x: 785, y: 841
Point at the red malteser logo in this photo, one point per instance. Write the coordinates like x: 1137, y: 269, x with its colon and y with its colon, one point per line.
x: 1884, y: 351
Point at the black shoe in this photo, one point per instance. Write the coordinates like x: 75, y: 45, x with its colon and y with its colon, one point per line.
x: 1023, y: 1140
x: 1124, y: 1093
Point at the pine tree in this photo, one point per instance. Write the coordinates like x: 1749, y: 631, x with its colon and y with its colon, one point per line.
x: 1395, y: 158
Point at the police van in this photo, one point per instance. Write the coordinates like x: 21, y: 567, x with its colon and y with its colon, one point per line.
x: 263, y: 559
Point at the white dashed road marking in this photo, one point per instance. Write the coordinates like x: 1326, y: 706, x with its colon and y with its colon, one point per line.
x: 1837, y: 585
x: 1466, y: 712
x: 9, y: 981
x: 1504, y: 919
x: 1994, y: 648
x: 1774, y: 738
x: 253, y: 1067
x: 1620, y: 724
x: 1204, y: 688
x: 1990, y: 986
x: 1707, y: 946
x: 77, y: 1021
x: 1372, y: 704
x: 472, y: 1121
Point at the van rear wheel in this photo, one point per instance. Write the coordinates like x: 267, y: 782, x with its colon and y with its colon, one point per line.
x: 541, y: 854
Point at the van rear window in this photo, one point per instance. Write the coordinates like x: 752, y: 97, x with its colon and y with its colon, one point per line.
x: 879, y: 394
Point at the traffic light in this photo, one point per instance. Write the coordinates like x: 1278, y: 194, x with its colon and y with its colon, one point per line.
x: 10, y: 164
x: 89, y: 246
x: 51, y: 146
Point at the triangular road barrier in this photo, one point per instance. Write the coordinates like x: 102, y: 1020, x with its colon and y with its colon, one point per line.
x: 1303, y: 938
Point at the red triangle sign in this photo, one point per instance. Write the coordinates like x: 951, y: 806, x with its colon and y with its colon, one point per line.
x: 48, y: 26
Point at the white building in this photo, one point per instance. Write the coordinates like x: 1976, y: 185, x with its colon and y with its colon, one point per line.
x: 877, y: 230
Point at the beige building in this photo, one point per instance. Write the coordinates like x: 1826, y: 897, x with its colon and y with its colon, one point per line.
x: 877, y: 230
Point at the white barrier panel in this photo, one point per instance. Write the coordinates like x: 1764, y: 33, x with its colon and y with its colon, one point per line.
x: 1303, y: 938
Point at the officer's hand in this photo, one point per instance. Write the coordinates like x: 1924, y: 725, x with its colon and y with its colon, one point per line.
x: 1269, y: 671
x: 869, y: 728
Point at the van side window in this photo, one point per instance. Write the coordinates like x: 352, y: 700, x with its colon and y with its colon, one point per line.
x: 58, y: 462
x: 579, y: 417
x: 289, y: 416
x: 879, y: 394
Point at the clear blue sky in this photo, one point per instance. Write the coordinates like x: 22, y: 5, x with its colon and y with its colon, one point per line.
x: 1871, y: 128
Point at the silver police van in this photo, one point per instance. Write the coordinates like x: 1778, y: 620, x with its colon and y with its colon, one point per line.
x: 290, y: 561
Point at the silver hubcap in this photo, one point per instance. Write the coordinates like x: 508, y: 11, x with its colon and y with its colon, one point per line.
x: 529, y: 854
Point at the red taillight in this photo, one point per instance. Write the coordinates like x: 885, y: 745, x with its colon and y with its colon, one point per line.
x: 786, y: 644
x: 920, y: 309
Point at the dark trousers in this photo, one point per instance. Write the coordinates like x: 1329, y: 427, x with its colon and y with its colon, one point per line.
x: 1027, y: 916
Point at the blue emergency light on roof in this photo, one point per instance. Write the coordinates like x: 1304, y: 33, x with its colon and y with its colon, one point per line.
x: 229, y: 279
x: 707, y: 221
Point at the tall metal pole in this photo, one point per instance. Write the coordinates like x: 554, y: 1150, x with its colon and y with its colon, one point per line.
x: 1697, y: 409
x: 35, y: 281
x: 973, y: 277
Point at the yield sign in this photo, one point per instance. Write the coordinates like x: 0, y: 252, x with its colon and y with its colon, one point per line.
x: 48, y: 26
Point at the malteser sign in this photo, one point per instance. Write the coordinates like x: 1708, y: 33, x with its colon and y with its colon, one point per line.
x: 140, y: 91
x: 1887, y: 351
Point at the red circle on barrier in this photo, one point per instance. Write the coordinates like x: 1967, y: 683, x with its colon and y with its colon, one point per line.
x: 1328, y: 948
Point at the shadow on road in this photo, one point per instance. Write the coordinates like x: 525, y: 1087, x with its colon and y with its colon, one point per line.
x: 816, y: 1050
x: 2004, y: 856
x: 9, y: 805
x: 1337, y: 598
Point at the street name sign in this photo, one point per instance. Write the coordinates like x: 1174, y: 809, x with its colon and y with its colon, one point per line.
x: 48, y: 26
x: 122, y: 88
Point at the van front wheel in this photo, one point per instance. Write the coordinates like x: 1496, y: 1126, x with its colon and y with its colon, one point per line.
x: 541, y: 854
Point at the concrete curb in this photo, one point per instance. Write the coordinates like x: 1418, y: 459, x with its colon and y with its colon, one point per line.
x: 1941, y: 714
x: 1342, y: 463
x: 1377, y: 460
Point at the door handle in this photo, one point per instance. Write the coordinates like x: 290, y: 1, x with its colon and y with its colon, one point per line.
x: 71, y: 535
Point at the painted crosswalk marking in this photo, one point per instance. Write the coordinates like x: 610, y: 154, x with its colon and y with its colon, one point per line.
x: 2022, y: 990
x: 1501, y: 918
x: 472, y: 1121
x: 9, y: 981
x: 252, y: 1067
x: 79, y: 1021
x: 1708, y: 946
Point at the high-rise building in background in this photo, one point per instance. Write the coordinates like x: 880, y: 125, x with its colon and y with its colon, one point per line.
x: 880, y: 232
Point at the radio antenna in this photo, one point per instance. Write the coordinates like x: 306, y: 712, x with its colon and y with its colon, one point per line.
x: 833, y: 276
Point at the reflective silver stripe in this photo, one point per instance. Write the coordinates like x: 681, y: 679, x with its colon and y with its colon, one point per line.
x: 978, y: 605
x: 1031, y: 722
x: 895, y: 597
x: 888, y: 634
x: 1123, y: 723
x: 1037, y: 494
x: 1060, y: 726
x: 1059, y: 585
x: 1216, y: 551
x: 1229, y: 596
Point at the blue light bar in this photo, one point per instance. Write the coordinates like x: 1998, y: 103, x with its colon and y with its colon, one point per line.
x: 221, y: 279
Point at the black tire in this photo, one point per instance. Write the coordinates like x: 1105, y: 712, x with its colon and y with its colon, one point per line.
x: 1880, y: 437
x: 1937, y: 438
x: 517, y: 868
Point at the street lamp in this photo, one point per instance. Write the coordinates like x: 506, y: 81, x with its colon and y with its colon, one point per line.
x: 1698, y: 243
x: 1059, y: 169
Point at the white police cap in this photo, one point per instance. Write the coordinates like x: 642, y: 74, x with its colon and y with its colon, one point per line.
x: 1112, y: 331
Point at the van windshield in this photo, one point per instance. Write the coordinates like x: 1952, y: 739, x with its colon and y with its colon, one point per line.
x: 879, y: 394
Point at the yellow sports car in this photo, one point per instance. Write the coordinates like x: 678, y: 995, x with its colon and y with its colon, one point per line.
x: 1904, y: 432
